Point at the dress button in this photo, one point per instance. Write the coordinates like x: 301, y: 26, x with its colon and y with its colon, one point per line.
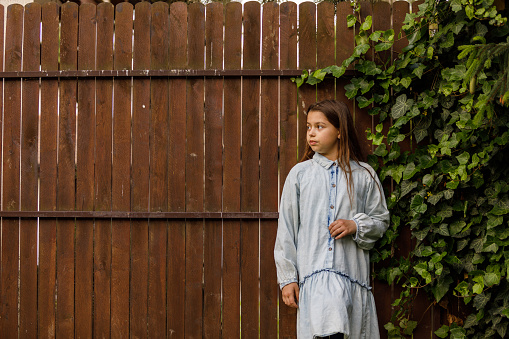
x: 333, y: 185
x: 330, y: 248
x: 332, y: 207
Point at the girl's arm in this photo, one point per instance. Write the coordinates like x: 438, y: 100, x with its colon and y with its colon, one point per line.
x: 374, y: 221
x: 285, y: 249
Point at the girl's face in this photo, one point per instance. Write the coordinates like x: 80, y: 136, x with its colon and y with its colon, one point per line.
x: 322, y: 136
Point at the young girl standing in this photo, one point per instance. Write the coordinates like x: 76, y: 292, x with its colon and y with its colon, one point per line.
x: 332, y: 212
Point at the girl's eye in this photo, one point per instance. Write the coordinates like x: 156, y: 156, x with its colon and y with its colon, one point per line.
x: 320, y: 127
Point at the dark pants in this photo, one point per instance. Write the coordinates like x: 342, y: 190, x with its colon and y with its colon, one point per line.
x: 334, y: 336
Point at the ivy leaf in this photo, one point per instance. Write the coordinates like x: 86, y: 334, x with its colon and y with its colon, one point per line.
x: 363, y: 102
x: 477, y: 245
x: 401, y: 106
x: 418, y: 205
x: 419, y: 70
x: 407, y: 187
x: 409, y: 171
x: 433, y: 199
x: 442, y: 287
x: 383, y: 46
x: 481, y: 300
x: 456, y: 5
x: 368, y: 67
x: 494, y: 221
x: 442, y: 332
x: 338, y: 71
x: 443, y: 229
x: 457, y: 227
x: 463, y: 158
x: 471, y: 321
x: 502, y: 329
x: 420, y: 134
x: 351, y: 20
x: 492, y: 279
x: 366, y: 24
x: 501, y: 207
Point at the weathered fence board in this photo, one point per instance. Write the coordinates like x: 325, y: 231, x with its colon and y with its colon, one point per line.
x: 140, y: 174
x: 232, y: 173
x: 206, y: 122
x: 48, y: 173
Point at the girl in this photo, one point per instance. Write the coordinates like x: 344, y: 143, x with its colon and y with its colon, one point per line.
x: 332, y: 212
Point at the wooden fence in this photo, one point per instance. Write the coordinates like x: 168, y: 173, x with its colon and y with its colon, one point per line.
x: 143, y: 151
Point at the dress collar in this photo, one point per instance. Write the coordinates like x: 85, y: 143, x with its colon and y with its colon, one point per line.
x: 323, y: 161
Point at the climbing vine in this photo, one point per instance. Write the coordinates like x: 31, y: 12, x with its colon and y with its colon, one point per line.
x: 442, y: 140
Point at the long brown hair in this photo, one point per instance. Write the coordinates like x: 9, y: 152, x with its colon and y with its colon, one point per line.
x: 338, y: 114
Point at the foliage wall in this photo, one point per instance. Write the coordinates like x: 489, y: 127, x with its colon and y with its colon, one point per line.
x: 442, y: 140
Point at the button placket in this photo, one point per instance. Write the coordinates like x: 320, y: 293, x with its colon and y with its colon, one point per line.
x: 331, y: 213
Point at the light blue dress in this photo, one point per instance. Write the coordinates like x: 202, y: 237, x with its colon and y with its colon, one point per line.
x: 333, y: 275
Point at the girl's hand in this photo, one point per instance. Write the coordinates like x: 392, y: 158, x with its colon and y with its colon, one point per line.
x: 290, y: 294
x: 341, y: 228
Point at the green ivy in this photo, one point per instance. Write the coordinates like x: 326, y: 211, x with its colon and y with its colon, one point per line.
x: 444, y: 97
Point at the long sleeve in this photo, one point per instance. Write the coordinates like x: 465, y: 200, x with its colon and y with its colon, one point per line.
x: 372, y: 224
x: 285, y: 249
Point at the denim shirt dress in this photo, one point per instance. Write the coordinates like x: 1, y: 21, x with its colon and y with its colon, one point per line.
x: 333, y: 275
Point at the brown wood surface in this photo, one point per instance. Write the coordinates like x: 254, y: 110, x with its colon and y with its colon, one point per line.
x: 307, y: 60
x: 344, y: 36
x: 344, y: 48
x: 158, y: 172
x: 11, y: 165
x: 231, y: 172
x: 288, y: 131
x: 382, y: 22
x: 269, y: 172
x: 103, y: 163
x: 194, y: 174
x: 213, y: 172
x: 29, y: 172
x: 48, y: 173
x: 121, y: 173
x: 66, y: 172
x: 140, y: 173
x: 85, y: 173
x: 325, y: 50
x: 250, y: 173
x: 399, y: 11
x: 362, y: 119
x: 176, y: 174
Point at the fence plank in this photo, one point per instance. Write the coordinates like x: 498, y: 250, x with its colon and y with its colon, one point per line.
x: 344, y: 35
x: 381, y: 22
x: 29, y: 172
x: 288, y: 130
x: 194, y: 174
x: 48, y: 173
x: 176, y: 173
x: 307, y: 60
x: 158, y: 172
x: 213, y: 172
x: 362, y: 119
x: 66, y: 172
x: 325, y: 47
x: 250, y: 173
x: 231, y: 174
x: 11, y: 189
x: 140, y: 173
x: 344, y: 49
x: 85, y: 173
x: 121, y: 173
x: 103, y: 163
x: 269, y: 172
